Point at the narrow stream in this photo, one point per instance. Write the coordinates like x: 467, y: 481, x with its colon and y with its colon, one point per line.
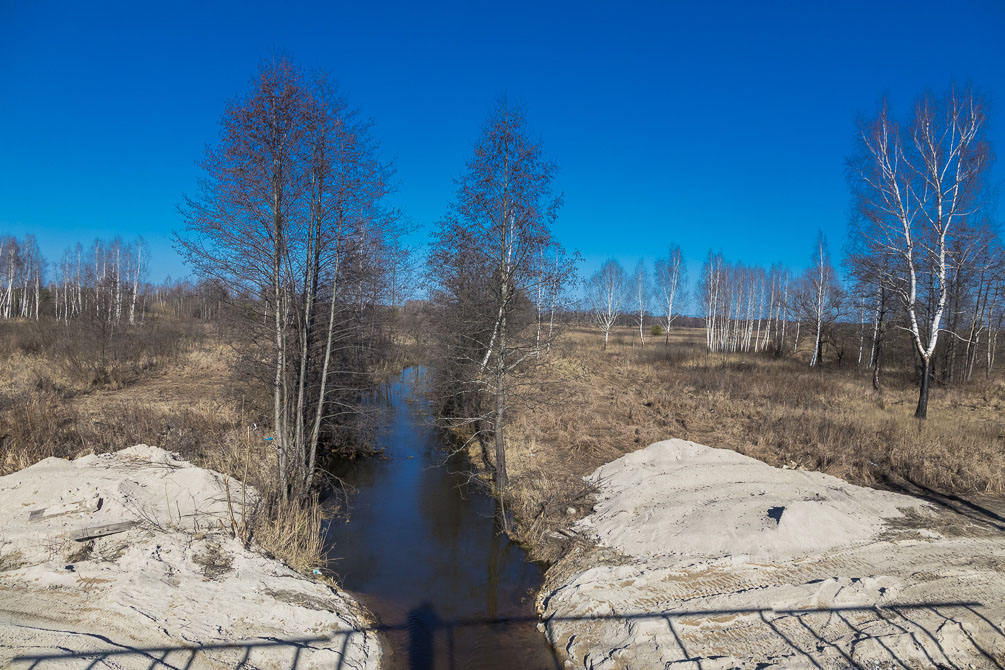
x: 422, y: 551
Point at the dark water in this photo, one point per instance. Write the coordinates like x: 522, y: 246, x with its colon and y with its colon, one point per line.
x: 422, y: 551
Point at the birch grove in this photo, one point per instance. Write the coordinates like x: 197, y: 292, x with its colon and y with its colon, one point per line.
x: 21, y: 272
x: 104, y: 281
x: 745, y: 308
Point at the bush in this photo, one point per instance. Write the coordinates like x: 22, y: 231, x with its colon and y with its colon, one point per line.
x: 657, y: 330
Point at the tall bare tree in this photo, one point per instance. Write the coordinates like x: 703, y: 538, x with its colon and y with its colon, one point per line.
x: 821, y: 282
x: 606, y: 291
x: 670, y: 278
x: 641, y: 290
x: 289, y: 216
x: 486, y: 267
x: 914, y: 187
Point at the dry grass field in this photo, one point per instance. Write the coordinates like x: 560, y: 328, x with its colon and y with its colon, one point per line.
x: 174, y: 385
x: 589, y: 406
x: 170, y: 384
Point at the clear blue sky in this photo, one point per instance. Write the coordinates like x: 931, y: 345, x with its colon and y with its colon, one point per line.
x: 715, y: 125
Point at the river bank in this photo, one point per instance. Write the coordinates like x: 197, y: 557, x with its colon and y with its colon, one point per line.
x: 705, y: 558
x: 123, y: 560
x: 682, y: 556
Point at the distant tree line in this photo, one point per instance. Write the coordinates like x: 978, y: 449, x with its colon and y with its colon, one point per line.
x: 105, y: 281
x: 21, y: 273
x: 922, y: 258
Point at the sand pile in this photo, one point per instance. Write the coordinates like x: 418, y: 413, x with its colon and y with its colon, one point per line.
x: 705, y: 558
x: 121, y: 559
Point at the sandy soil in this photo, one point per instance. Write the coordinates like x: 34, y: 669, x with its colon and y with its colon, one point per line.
x: 705, y: 558
x: 172, y: 590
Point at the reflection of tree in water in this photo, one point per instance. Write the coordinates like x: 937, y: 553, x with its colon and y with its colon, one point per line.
x: 497, y: 547
x: 445, y: 510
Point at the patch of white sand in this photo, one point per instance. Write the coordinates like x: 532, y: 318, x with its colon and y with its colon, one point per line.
x: 705, y: 558
x: 172, y: 588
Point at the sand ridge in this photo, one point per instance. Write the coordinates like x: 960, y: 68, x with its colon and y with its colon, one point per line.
x: 173, y: 585
x: 705, y: 558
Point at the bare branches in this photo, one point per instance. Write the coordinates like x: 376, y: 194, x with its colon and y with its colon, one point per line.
x: 914, y: 195
x: 606, y: 290
x: 671, y: 276
x: 492, y: 265
x: 289, y: 216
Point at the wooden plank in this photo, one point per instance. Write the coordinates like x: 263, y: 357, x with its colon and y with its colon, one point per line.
x: 91, y: 532
x: 76, y: 507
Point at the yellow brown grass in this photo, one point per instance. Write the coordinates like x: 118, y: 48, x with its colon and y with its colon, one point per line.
x: 590, y: 406
x: 180, y: 395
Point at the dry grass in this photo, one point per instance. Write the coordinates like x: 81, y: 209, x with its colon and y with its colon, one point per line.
x: 169, y: 385
x: 288, y: 530
x: 292, y: 532
x: 589, y: 407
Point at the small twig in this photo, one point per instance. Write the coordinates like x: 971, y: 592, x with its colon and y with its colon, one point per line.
x: 230, y: 507
x: 244, y: 492
x: 167, y: 503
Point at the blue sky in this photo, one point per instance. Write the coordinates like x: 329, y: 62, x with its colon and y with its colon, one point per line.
x: 717, y: 126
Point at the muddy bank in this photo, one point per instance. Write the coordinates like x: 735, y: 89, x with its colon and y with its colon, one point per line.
x: 705, y: 558
x: 119, y: 560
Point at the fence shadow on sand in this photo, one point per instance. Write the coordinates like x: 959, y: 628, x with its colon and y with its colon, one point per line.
x: 430, y: 640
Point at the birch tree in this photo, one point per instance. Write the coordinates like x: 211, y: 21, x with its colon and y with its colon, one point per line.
x: 486, y: 268
x: 914, y: 187
x: 641, y: 290
x: 670, y: 275
x: 138, y: 266
x: 606, y: 292
x: 821, y: 280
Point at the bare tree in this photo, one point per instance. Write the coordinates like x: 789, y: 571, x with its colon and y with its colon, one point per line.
x: 487, y: 267
x: 289, y: 214
x: 670, y: 278
x: 913, y: 193
x: 821, y: 281
x: 138, y: 270
x: 606, y: 290
x: 642, y: 289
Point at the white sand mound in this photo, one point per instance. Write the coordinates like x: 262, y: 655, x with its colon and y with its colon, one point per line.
x: 705, y: 558
x: 170, y: 590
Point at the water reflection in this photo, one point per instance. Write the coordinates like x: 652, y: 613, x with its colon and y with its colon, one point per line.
x: 421, y: 546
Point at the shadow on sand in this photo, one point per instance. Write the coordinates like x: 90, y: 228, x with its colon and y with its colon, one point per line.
x: 430, y: 639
